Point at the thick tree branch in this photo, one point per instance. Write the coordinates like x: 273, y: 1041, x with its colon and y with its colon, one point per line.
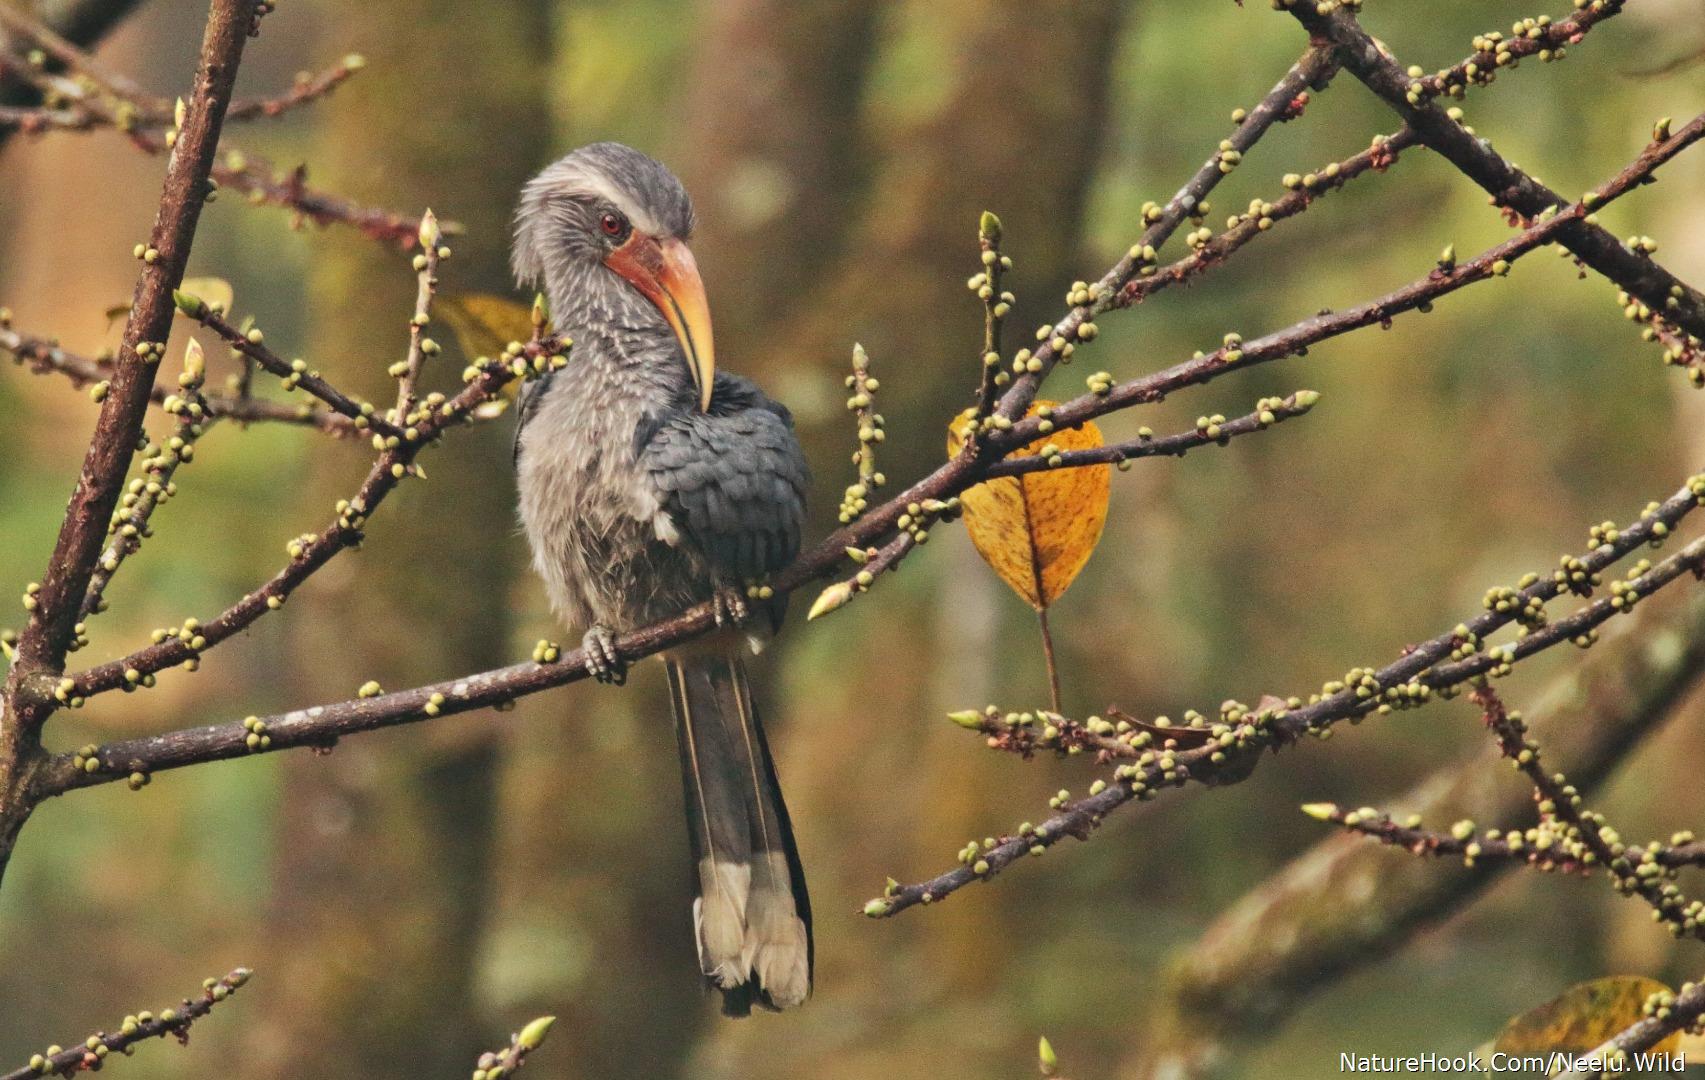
x: 42, y: 646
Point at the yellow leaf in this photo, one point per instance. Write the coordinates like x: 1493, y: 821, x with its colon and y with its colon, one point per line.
x: 1038, y: 530
x: 1583, y: 1018
x: 483, y: 322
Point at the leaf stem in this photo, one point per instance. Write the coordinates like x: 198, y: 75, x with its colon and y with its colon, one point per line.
x: 1048, y: 656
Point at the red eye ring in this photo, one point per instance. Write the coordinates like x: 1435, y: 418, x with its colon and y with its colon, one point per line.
x: 612, y: 224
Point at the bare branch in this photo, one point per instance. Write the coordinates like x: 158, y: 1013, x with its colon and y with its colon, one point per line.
x: 1209, y: 431
x: 94, y: 1052
x: 1342, y: 906
x: 1509, y: 187
x: 310, y: 552
x: 1584, y: 836
x: 1413, y: 679
x: 45, y: 357
x: 362, y: 415
x: 1416, y: 296
x: 1284, y: 102
x: 1305, y: 189
x: 155, y: 486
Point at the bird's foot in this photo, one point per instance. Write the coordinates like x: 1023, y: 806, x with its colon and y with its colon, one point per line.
x: 602, y: 660
x: 729, y: 606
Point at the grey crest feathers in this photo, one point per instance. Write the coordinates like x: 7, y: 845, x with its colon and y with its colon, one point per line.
x: 556, y: 220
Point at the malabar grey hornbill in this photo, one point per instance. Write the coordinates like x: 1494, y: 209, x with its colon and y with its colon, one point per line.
x: 649, y: 481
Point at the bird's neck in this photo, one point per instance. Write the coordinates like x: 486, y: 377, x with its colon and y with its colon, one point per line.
x: 617, y: 334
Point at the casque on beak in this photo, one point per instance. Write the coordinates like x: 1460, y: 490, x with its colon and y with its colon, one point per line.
x: 664, y: 271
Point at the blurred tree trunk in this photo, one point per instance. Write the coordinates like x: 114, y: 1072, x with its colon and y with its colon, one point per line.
x: 408, y: 819
x: 775, y: 158
x: 998, y: 137
x: 82, y: 22
x: 965, y: 125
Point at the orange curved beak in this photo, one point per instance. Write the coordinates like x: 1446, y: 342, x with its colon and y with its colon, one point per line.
x: 665, y: 273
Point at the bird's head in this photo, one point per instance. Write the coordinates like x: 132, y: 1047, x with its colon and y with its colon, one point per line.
x: 607, y: 217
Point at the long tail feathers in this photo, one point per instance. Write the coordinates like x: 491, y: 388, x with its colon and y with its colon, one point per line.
x: 752, y: 917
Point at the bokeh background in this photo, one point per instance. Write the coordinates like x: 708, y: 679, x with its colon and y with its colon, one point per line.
x: 416, y: 895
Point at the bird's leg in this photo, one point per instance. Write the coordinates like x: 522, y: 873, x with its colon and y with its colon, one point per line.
x: 602, y: 660
x: 729, y: 605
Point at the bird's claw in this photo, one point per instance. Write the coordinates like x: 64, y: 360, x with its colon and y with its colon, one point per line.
x: 729, y: 607
x: 602, y: 660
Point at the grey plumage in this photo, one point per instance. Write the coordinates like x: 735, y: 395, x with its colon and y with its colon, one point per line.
x: 638, y: 503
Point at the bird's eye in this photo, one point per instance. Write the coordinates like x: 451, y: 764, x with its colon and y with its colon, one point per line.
x: 613, y: 224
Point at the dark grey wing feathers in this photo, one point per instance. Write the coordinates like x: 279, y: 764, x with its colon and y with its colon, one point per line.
x: 732, y: 480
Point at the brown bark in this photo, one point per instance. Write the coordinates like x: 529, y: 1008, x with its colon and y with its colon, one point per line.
x: 775, y: 155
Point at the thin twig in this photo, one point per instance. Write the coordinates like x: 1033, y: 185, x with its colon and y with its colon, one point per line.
x: 1412, y: 679
x: 1584, y: 835
x: 419, y: 345
x: 46, y: 357
x: 93, y: 1052
x: 1209, y: 431
x: 505, y: 1062
x: 1284, y: 102
x: 1418, y: 295
x: 295, y: 374
x: 1538, y: 846
x: 310, y: 552
x: 145, y: 494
